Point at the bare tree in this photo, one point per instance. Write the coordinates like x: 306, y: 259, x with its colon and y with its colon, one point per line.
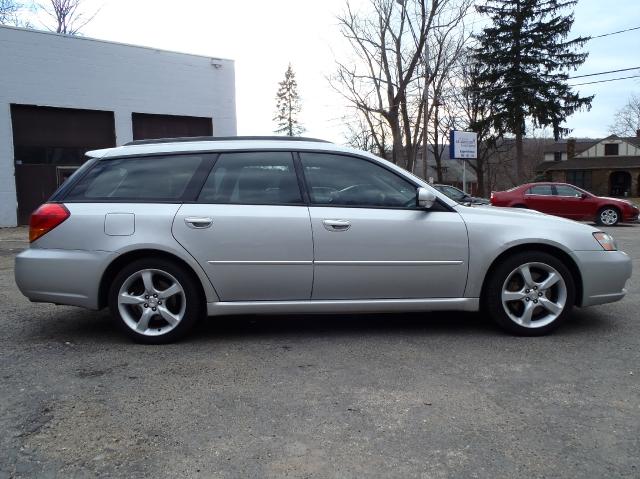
x: 627, y: 119
x: 68, y: 15
x: 12, y: 13
x: 385, y: 78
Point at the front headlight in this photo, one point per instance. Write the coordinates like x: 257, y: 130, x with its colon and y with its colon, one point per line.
x: 606, y: 241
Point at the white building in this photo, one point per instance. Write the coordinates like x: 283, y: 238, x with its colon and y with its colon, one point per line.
x: 61, y: 96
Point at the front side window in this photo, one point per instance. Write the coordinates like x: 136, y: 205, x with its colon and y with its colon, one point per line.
x: 162, y: 178
x: 564, y: 190
x: 255, y: 178
x: 543, y: 190
x: 338, y: 180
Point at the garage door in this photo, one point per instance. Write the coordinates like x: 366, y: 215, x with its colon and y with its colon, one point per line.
x: 147, y: 126
x: 49, y: 144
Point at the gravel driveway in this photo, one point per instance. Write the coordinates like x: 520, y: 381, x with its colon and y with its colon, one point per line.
x: 414, y: 395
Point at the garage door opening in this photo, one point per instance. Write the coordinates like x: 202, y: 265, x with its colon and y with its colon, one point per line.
x: 149, y: 127
x: 49, y: 145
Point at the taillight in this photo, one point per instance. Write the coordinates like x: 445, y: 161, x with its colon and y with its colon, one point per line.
x: 45, y: 218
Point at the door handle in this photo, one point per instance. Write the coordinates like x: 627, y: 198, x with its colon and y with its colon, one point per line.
x: 198, y: 222
x: 336, y: 225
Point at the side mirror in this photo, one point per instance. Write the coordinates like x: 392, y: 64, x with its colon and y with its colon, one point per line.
x: 425, y: 198
x: 584, y: 196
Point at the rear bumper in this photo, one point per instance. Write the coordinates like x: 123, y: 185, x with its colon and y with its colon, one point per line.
x: 58, y: 276
x: 604, y: 275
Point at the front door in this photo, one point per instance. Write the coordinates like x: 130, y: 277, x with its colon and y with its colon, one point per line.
x: 370, y: 240
x: 571, y: 204
x: 250, y: 229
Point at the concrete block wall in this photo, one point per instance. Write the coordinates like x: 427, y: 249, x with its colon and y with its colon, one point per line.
x: 47, y: 69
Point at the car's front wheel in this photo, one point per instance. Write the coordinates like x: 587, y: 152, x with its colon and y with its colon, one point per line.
x: 608, y: 216
x: 154, y: 300
x: 530, y: 294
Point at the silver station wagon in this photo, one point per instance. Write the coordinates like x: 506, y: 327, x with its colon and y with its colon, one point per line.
x: 164, y: 232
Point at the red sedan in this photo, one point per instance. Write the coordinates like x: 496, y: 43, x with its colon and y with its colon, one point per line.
x: 569, y: 201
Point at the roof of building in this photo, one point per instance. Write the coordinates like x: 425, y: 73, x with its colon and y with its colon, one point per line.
x: 582, y: 144
x: 97, y: 40
x: 592, y: 163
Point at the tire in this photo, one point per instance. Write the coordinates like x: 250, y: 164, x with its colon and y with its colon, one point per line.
x: 608, y: 216
x: 163, y: 318
x: 533, y: 310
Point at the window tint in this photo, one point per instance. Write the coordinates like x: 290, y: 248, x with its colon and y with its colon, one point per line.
x: 564, y: 190
x: 348, y: 181
x: 252, y: 178
x: 544, y: 190
x: 162, y: 178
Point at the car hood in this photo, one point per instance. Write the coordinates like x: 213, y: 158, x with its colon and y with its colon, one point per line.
x: 517, y: 216
x: 615, y: 200
x: 511, y: 226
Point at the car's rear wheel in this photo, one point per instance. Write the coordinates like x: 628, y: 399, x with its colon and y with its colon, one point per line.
x: 608, y: 216
x: 155, y: 300
x: 530, y: 294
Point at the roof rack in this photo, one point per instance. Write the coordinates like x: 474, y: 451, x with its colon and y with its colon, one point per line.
x: 222, y: 138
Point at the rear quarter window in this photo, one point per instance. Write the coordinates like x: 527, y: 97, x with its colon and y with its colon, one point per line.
x: 161, y: 178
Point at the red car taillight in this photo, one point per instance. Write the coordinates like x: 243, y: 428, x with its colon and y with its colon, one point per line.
x: 45, y: 218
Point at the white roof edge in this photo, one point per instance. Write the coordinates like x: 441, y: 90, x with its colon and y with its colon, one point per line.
x: 111, y: 42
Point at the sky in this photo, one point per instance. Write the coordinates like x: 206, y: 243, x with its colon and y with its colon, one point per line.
x: 263, y: 37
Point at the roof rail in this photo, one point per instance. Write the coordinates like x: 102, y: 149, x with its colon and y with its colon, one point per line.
x: 221, y: 138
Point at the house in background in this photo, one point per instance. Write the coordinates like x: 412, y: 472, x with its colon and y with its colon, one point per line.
x: 63, y: 95
x: 606, y: 167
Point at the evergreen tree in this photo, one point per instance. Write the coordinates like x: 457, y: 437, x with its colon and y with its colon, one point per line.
x: 527, y: 57
x: 288, y: 105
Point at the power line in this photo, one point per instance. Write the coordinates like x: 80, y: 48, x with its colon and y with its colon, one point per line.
x: 604, y: 81
x: 603, y: 73
x: 615, y: 33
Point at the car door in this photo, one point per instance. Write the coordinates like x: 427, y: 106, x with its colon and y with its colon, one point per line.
x: 371, y: 241
x: 250, y: 229
x: 540, y: 198
x: 572, y: 204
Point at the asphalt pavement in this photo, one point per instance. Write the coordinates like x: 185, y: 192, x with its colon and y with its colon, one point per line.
x: 440, y: 395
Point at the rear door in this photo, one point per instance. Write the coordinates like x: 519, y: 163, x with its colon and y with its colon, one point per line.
x: 540, y: 198
x: 370, y: 240
x: 250, y: 229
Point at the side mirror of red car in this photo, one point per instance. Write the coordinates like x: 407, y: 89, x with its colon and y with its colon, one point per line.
x: 584, y: 196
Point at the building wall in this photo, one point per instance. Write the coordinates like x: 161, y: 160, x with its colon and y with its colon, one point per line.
x: 46, y: 69
x: 600, y: 180
x: 597, y: 150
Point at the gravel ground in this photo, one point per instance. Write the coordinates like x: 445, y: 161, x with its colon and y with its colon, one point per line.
x: 420, y: 395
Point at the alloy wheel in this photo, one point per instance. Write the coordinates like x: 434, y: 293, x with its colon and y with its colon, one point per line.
x: 151, y: 302
x: 534, y: 295
x: 609, y: 216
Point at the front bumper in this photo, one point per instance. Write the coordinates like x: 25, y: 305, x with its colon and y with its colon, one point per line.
x: 58, y: 276
x: 604, y: 274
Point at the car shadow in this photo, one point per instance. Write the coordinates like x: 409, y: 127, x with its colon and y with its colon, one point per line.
x: 80, y: 326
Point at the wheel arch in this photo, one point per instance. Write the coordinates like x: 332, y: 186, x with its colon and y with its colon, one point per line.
x: 610, y: 205
x: 120, y: 261
x: 544, y: 248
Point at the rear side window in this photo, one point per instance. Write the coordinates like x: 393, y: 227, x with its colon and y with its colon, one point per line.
x: 161, y: 178
x: 256, y: 178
